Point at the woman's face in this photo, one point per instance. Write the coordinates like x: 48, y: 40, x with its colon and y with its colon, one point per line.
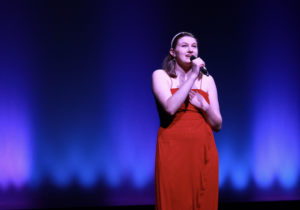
x: 185, y: 48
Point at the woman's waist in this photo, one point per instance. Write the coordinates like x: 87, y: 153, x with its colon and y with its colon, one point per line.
x: 184, y: 128
x: 186, y: 120
x: 188, y: 115
x: 182, y: 119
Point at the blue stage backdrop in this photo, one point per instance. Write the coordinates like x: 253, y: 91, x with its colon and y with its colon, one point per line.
x: 78, y: 120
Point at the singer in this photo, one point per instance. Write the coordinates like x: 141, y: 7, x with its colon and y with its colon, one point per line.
x: 186, y: 163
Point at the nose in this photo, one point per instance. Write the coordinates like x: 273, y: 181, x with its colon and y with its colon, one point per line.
x: 190, y: 49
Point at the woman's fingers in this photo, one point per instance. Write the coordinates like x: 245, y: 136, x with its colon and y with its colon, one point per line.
x: 190, y: 97
x: 192, y: 93
x: 199, y: 62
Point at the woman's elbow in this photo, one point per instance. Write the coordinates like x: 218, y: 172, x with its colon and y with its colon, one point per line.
x: 170, y: 110
x: 217, y: 129
x: 218, y: 126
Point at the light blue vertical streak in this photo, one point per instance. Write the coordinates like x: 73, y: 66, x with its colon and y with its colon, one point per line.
x: 240, y: 174
x: 226, y: 162
x: 275, y: 99
x: 15, y: 72
x: 14, y: 143
x: 132, y: 123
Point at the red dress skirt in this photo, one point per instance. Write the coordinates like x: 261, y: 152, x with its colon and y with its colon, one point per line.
x: 186, y: 164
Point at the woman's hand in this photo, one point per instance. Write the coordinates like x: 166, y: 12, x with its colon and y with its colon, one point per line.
x: 198, y: 100
x: 161, y: 85
x: 212, y: 110
x: 196, y: 65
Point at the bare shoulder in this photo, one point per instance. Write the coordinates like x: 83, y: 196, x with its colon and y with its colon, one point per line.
x: 159, y: 76
x: 209, y: 80
x: 159, y: 73
x: 160, y: 80
x: 208, y: 83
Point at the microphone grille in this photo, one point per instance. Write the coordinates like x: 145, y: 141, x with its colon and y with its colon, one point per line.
x: 192, y: 57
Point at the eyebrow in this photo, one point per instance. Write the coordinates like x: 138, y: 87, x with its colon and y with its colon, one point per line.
x: 187, y: 43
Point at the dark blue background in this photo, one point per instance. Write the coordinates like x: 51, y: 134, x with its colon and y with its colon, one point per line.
x: 78, y: 121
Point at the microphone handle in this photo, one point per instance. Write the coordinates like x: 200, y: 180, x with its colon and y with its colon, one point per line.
x: 204, y: 71
x: 202, y: 68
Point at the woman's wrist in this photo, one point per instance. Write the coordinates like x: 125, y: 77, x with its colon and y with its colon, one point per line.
x: 194, y: 75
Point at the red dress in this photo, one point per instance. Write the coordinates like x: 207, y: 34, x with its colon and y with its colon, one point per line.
x: 186, y: 164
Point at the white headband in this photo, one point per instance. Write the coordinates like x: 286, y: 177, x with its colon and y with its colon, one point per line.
x: 176, y: 36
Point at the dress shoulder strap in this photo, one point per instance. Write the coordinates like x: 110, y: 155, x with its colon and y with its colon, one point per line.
x: 171, y: 82
x: 201, y: 82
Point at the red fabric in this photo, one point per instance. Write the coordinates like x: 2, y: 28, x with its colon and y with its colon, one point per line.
x: 186, y: 165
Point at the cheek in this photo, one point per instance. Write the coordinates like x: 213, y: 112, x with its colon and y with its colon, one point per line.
x: 179, y: 53
x: 196, y: 51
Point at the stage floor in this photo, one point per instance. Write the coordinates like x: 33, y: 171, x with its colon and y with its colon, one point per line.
x: 285, y: 205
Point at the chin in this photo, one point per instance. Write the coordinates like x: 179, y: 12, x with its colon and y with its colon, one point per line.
x: 188, y: 63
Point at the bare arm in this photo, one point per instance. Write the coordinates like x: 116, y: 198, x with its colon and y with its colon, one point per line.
x: 212, y: 110
x: 161, y: 88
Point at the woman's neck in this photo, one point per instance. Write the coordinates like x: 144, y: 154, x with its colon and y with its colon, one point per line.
x: 182, y: 70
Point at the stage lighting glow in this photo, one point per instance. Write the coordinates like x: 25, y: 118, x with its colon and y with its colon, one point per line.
x: 15, y: 145
x: 276, y: 146
x: 15, y: 111
x: 142, y: 173
x: 113, y: 174
x: 224, y: 163
x: 276, y: 101
x: 240, y: 175
x: 84, y: 117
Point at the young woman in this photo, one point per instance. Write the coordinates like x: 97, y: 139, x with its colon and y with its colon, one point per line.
x: 186, y: 165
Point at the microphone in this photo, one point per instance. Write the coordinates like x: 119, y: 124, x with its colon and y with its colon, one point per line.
x: 202, y: 68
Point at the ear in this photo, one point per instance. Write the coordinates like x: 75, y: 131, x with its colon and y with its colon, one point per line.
x: 172, y: 52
